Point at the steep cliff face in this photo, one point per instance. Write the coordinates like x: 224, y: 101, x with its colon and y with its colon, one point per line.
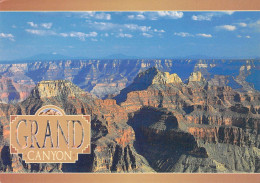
x: 11, y: 91
x: 147, y: 78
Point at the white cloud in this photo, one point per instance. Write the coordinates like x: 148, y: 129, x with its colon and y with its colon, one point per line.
x: 139, y: 16
x: 248, y: 37
x: 32, y: 24
x: 242, y: 24
x: 146, y: 35
x: 186, y: 34
x: 81, y: 35
x: 183, y: 34
x: 137, y: 27
x: 171, y: 14
x: 103, y: 16
x: 131, y: 16
x: 64, y: 34
x: 207, y: 17
x: 160, y: 31
x: 92, y: 34
x: 154, y: 15
x: 114, y: 27
x: 46, y: 25
x: 14, y: 26
x: 124, y: 35
x: 96, y: 15
x: 228, y: 12
x: 255, y: 25
x: 226, y: 27
x: 204, y: 35
x: 40, y: 32
x: 7, y: 36
x: 104, y: 25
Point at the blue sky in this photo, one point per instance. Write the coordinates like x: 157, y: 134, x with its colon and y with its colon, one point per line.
x: 140, y: 34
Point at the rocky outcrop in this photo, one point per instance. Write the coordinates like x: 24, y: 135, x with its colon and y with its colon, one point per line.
x: 196, y: 77
x: 48, y: 89
x: 154, y: 76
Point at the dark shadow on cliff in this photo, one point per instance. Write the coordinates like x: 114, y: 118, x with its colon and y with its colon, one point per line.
x: 159, y: 139
x: 6, y: 160
x: 141, y: 82
x: 84, y: 163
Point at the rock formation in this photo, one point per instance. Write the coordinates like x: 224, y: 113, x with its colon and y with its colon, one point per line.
x: 112, y: 139
x: 156, y: 124
x: 214, y: 116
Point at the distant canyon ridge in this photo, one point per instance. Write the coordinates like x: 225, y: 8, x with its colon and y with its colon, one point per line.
x: 105, y: 78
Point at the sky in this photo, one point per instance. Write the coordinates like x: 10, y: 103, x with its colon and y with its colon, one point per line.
x: 164, y: 34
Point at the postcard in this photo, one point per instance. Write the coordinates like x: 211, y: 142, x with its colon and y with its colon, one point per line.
x: 130, y: 92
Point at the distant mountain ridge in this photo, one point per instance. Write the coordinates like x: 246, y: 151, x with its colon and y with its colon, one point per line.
x: 59, y: 57
x: 106, y: 78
